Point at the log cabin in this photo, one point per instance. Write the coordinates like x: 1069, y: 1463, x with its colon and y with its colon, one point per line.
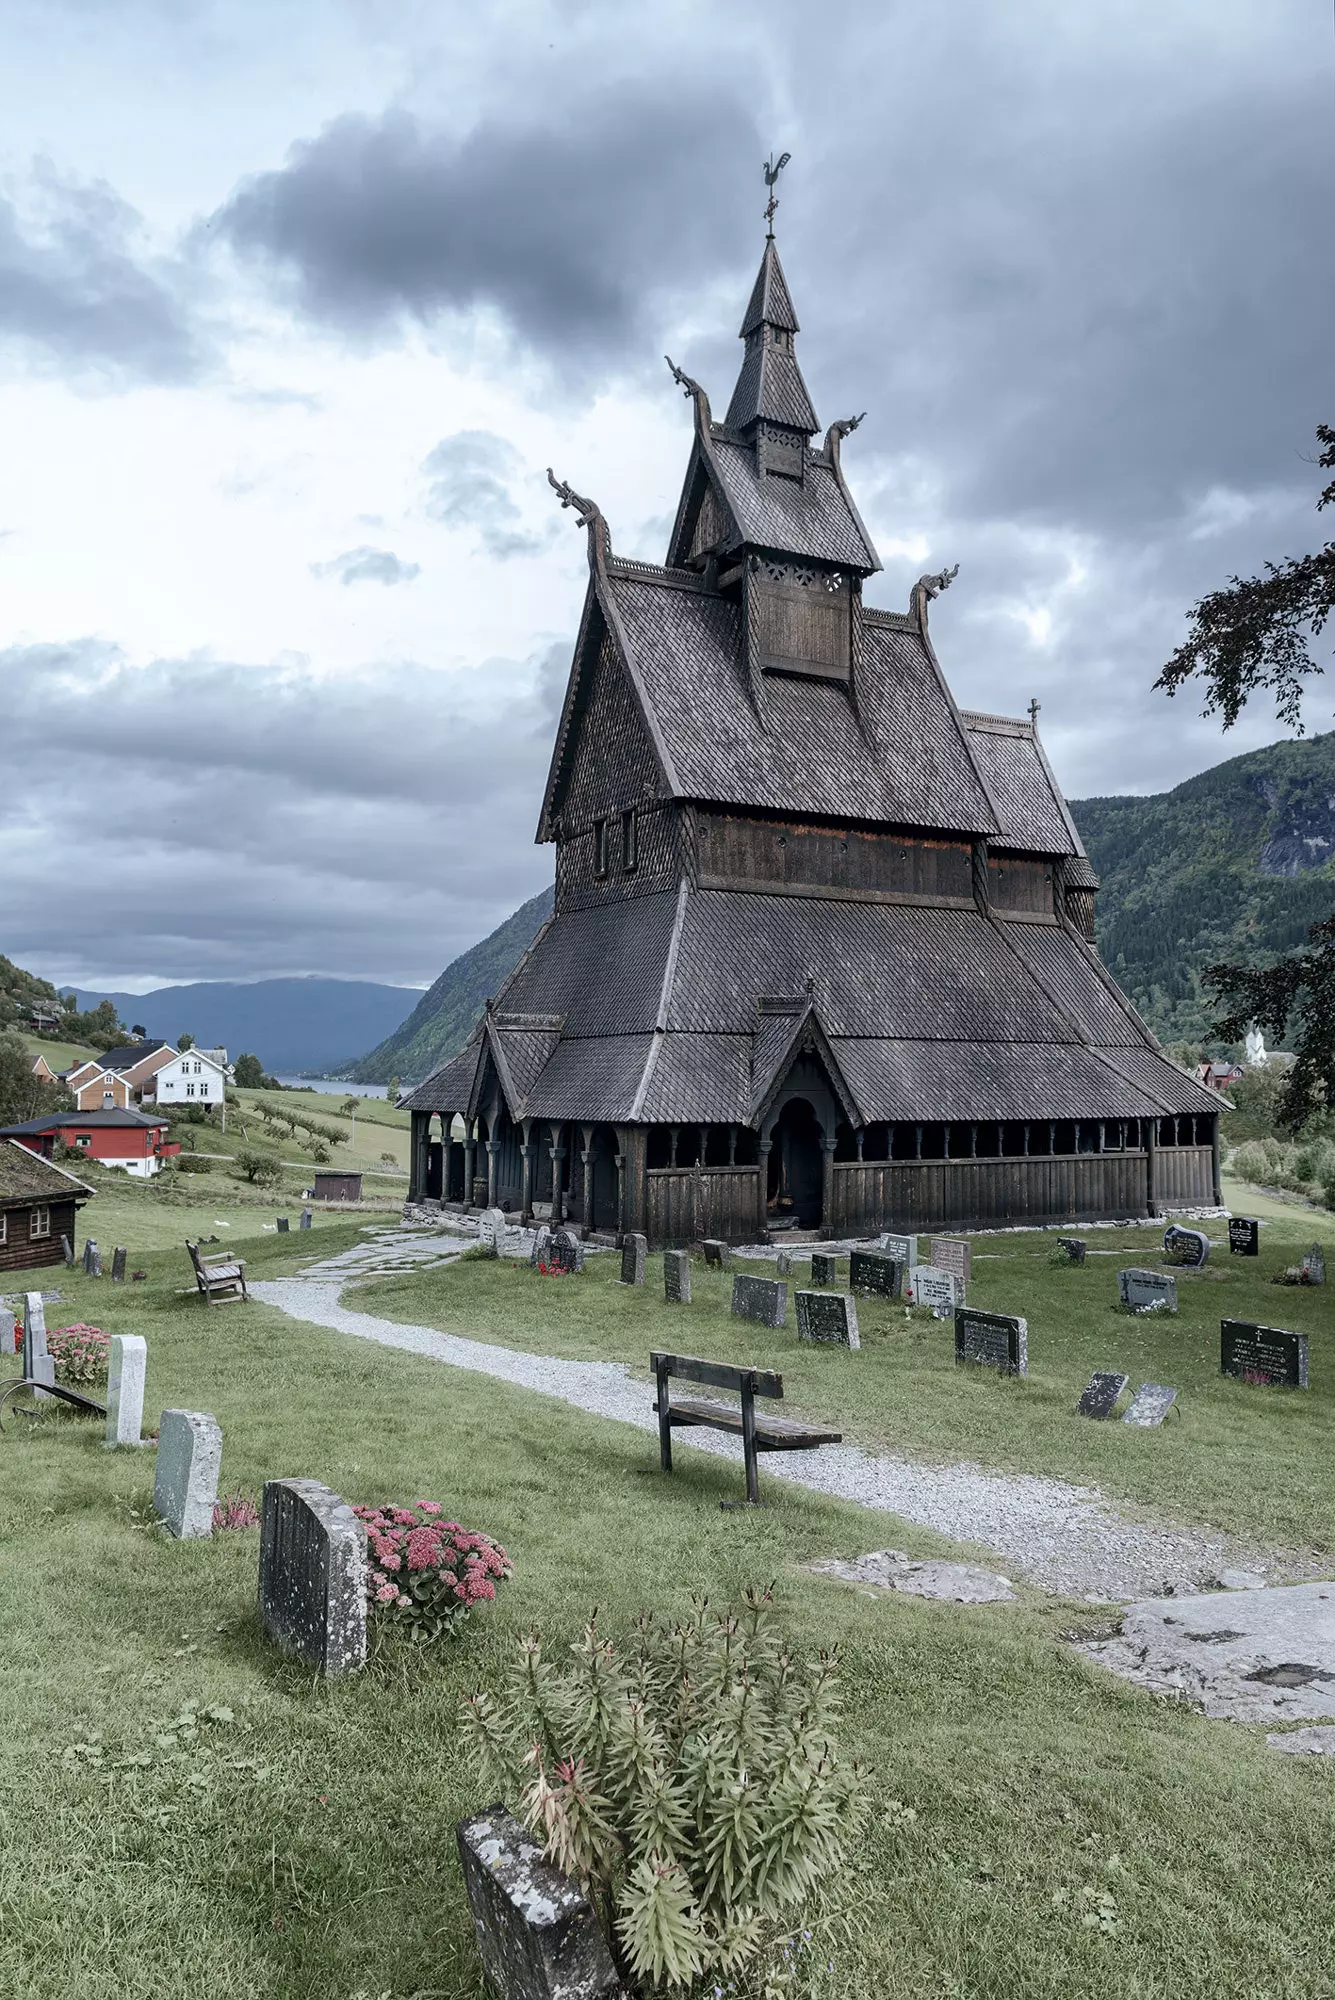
x: 38, y: 1205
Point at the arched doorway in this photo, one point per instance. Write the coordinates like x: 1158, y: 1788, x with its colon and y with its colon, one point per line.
x: 797, y: 1165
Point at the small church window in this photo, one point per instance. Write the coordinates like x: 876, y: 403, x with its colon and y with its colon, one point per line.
x: 600, y: 847
x: 630, y: 840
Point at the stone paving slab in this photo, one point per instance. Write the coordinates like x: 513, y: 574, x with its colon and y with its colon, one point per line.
x: 1244, y: 1655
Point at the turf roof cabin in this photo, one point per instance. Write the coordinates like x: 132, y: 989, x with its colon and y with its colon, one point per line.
x: 38, y: 1205
x: 822, y: 947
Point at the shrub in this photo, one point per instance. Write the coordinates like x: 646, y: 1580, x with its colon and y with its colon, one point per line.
x: 193, y: 1163
x: 318, y: 1151
x: 690, y: 1780
x: 235, y: 1512
x: 259, y: 1169
x: 427, y: 1573
x: 81, y: 1353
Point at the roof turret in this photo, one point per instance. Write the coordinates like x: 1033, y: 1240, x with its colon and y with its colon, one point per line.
x: 770, y: 388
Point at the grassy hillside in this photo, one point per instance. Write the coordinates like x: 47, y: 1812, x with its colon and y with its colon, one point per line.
x: 439, y: 1023
x: 1233, y: 864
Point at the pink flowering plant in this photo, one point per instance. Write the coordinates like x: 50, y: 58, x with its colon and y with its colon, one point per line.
x: 81, y: 1353
x: 425, y: 1572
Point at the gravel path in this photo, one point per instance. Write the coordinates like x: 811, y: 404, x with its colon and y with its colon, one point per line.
x: 1068, y: 1539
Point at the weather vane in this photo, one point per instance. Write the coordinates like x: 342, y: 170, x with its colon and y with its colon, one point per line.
x: 772, y: 169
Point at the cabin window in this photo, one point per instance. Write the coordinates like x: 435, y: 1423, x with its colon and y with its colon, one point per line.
x: 630, y: 840
x: 4, y: 1230
x: 39, y: 1223
x: 600, y: 847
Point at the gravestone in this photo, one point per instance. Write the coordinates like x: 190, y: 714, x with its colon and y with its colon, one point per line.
x: 537, y: 1934
x: 904, y: 1249
x: 1142, y: 1291
x: 677, y: 1277
x: 284, y: 1226
x: 1100, y: 1398
x: 1074, y: 1248
x: 992, y: 1340
x: 38, y: 1366
x: 118, y: 1259
x: 312, y: 1589
x: 66, y: 1252
x: 491, y: 1230
x: 940, y: 1290
x: 1150, y: 1405
x: 305, y: 1221
x: 718, y: 1256
x: 953, y: 1253
x: 1267, y: 1355
x: 126, y: 1370
x: 92, y: 1258
x: 783, y: 1264
x: 875, y: 1274
x: 1314, y: 1266
x: 828, y: 1317
x: 633, y: 1252
x: 1244, y: 1236
x: 1186, y: 1246
x: 824, y: 1268
x: 8, y: 1342
x: 763, y: 1299
x: 542, y: 1243
x: 185, y: 1484
x: 566, y: 1251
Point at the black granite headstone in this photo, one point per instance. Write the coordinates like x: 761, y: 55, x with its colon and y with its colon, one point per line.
x: 633, y: 1250
x: 824, y: 1268
x: 118, y: 1262
x: 1186, y: 1246
x: 1100, y: 1398
x: 828, y: 1317
x: 994, y: 1340
x: 284, y: 1226
x: 875, y: 1275
x: 677, y: 1277
x: 1267, y: 1355
x: 763, y: 1299
x: 1244, y: 1236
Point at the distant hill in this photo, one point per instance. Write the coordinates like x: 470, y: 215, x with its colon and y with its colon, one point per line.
x: 1233, y: 864
x: 290, y: 1024
x: 440, y: 1022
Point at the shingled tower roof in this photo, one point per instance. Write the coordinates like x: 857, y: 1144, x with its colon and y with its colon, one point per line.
x: 770, y: 388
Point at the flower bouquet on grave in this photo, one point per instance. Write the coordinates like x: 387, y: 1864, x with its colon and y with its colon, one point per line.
x: 426, y: 1573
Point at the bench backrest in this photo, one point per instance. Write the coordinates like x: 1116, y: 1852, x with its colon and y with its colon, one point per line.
x: 718, y: 1374
x: 195, y: 1258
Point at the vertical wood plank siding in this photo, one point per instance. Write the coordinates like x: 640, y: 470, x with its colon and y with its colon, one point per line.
x: 685, y: 1205
x: 1184, y: 1174
x: 889, y: 1194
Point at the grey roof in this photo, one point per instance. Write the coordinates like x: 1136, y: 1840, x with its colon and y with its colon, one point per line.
x: 898, y: 1080
x: 26, y: 1176
x: 770, y: 386
x: 449, y: 1087
x: 810, y: 517
x: 904, y: 759
x: 55, y: 1120
x: 1032, y: 811
x: 594, y: 1078
x: 771, y: 302
x: 134, y: 1052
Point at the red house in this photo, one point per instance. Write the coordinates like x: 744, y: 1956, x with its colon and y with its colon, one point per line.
x: 118, y: 1138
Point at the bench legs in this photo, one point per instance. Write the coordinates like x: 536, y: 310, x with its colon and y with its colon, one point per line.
x: 749, y: 1445
x: 664, y: 1421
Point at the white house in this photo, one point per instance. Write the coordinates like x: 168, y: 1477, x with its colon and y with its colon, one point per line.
x: 191, y: 1077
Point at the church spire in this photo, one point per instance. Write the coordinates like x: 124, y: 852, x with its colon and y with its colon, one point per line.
x: 770, y: 390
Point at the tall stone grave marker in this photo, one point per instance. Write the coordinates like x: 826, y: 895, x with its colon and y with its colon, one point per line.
x: 1146, y: 1291
x: 1314, y: 1266
x: 953, y: 1253
x: 38, y: 1367
x: 1100, y: 1398
x: 1150, y: 1405
x: 904, y: 1249
x: 940, y: 1290
x: 677, y: 1277
x: 634, y: 1249
x: 8, y: 1343
x: 1073, y: 1248
x: 67, y: 1253
x: 536, y: 1932
x: 305, y: 1221
x: 992, y: 1340
x: 1267, y: 1355
x: 824, y: 1268
x: 828, y: 1317
x: 718, y: 1256
x: 542, y: 1244
x: 1187, y: 1246
x: 126, y: 1370
x: 284, y: 1226
x: 1244, y: 1236
x: 763, y: 1299
x: 312, y: 1591
x: 92, y: 1258
x: 783, y: 1264
x: 491, y: 1230
x: 185, y: 1485
x: 118, y: 1260
x: 875, y: 1274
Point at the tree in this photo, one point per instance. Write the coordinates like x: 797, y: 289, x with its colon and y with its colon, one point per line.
x: 139, y: 1031
x: 392, y: 1093
x: 24, y: 1095
x: 1258, y: 634
x: 184, y: 1042
x: 249, y: 1072
x: 259, y: 1169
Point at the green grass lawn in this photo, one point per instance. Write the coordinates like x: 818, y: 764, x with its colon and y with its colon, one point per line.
x: 1251, y: 1461
x: 60, y: 1055
x: 300, y: 1845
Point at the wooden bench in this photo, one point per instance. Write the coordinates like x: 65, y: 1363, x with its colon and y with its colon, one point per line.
x: 215, y: 1279
x: 758, y: 1433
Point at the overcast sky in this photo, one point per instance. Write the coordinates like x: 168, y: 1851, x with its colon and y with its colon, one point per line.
x: 297, y: 302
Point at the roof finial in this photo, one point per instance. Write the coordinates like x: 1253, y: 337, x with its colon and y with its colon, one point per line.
x: 771, y: 170
x: 589, y: 515
x: 1034, y: 707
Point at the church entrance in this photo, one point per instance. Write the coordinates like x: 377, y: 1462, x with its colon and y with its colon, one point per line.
x: 797, y: 1166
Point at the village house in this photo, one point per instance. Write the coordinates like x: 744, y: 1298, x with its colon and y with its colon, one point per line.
x: 138, y: 1063
x: 38, y: 1205
x: 114, y: 1137
x: 822, y: 953
x: 96, y: 1086
x: 42, y: 1069
x: 189, y: 1076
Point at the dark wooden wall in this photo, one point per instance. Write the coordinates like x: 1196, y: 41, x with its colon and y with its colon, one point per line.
x: 684, y: 1205
x: 659, y: 858
x: 1015, y: 883
x: 20, y: 1253
x: 737, y: 852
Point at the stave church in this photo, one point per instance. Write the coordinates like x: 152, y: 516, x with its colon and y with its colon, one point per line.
x: 822, y: 954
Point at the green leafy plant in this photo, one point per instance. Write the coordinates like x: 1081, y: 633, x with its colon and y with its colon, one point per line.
x: 689, y: 1779
x: 259, y: 1169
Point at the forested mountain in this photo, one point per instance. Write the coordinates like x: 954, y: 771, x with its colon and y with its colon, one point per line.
x: 290, y: 1024
x: 439, y: 1023
x: 1233, y: 864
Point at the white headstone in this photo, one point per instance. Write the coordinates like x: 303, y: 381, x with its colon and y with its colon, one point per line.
x: 925, y: 1285
x: 186, y: 1483
x: 491, y: 1230
x: 126, y: 1372
x: 37, y: 1363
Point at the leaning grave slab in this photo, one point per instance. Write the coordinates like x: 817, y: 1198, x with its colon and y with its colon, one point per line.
x: 536, y: 1931
x: 992, y: 1340
x: 1147, y: 1291
x: 828, y: 1318
x: 1101, y: 1398
x: 312, y: 1581
x: 762, y: 1299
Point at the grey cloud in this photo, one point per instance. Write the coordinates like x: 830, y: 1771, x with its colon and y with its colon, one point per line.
x: 367, y: 565
x: 568, y: 218
x: 373, y: 828
x: 470, y: 477
x: 79, y: 294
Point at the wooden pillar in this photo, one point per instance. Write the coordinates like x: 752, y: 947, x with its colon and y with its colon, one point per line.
x: 470, y: 1161
x: 917, y: 1142
x: 558, y: 1153
x: 674, y: 1132
x: 421, y: 1127
x: 1026, y: 1138
x: 1214, y: 1162
x: 732, y: 1145
x: 586, y: 1161
x: 1151, y: 1162
x: 1052, y: 1137
x: 493, y: 1165
x: 526, y: 1152
x: 704, y: 1146
x: 762, y: 1198
x: 827, y: 1187
x: 860, y: 1135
